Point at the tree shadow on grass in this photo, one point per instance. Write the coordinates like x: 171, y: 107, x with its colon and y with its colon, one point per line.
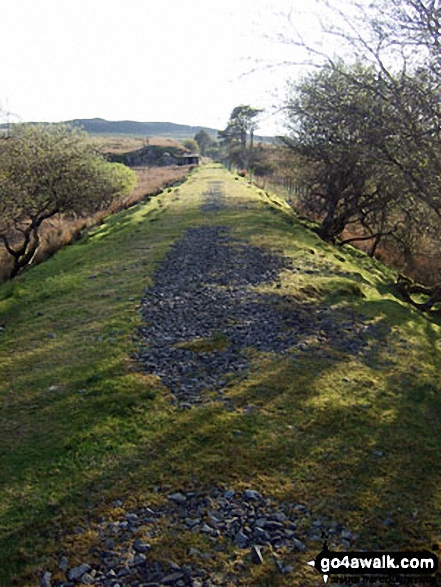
x: 372, y: 465
x: 363, y: 452
x: 375, y: 470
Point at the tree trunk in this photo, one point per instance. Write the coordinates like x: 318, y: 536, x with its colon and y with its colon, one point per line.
x: 406, y: 287
x: 332, y: 226
x: 24, y: 257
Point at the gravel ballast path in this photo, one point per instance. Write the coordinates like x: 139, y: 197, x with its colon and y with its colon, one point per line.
x: 204, y: 294
x: 245, y: 526
x: 200, y: 319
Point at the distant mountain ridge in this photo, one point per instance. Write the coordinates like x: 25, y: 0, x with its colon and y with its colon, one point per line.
x: 132, y: 127
x: 164, y: 129
x: 171, y: 130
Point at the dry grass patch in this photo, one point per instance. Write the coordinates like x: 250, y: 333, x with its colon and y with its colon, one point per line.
x: 125, y: 144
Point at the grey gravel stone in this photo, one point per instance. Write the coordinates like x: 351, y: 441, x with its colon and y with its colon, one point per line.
x: 141, y: 546
x: 256, y: 555
x: 241, y: 540
x: 77, y: 572
x: 272, y: 525
x: 252, y: 494
x: 171, y: 579
x: 139, y: 559
x: 300, y: 546
x: 178, y: 498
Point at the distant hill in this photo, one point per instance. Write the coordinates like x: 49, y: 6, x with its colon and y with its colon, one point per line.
x: 134, y: 128
x: 131, y: 127
x: 100, y: 126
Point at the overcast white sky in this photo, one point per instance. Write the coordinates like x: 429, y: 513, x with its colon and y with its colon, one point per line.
x: 149, y: 60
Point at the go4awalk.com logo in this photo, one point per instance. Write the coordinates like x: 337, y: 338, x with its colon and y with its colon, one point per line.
x: 420, y: 564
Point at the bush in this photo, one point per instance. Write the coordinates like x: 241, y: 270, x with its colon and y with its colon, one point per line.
x: 45, y: 171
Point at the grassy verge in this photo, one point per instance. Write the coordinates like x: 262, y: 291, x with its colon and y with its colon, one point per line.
x: 354, y: 437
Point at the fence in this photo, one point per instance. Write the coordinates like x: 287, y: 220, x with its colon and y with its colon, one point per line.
x: 289, y: 187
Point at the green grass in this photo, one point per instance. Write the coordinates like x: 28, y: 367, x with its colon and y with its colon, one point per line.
x: 80, y: 427
x: 216, y: 342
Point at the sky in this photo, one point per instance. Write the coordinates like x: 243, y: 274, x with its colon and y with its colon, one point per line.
x: 183, y: 61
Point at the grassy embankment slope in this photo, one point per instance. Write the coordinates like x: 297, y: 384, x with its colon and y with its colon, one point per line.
x: 79, y: 427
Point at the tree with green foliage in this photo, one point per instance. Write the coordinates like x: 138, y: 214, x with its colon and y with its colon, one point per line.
x: 204, y: 140
x: 191, y: 145
x: 387, y: 117
x: 47, y: 170
x: 399, y: 40
x: 334, y: 121
x: 238, y: 136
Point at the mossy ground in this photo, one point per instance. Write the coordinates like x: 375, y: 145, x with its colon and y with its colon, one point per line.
x: 80, y: 426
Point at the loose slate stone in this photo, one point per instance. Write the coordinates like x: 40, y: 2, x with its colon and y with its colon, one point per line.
x: 178, y: 498
x: 261, y: 534
x: 141, y: 546
x: 272, y: 525
x: 300, y: 546
x: 174, y: 578
x: 77, y: 572
x: 139, y: 559
x: 241, y: 540
x: 252, y: 494
x: 256, y: 555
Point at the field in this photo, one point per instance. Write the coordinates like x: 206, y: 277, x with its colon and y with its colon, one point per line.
x: 124, y: 144
x: 353, y: 435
